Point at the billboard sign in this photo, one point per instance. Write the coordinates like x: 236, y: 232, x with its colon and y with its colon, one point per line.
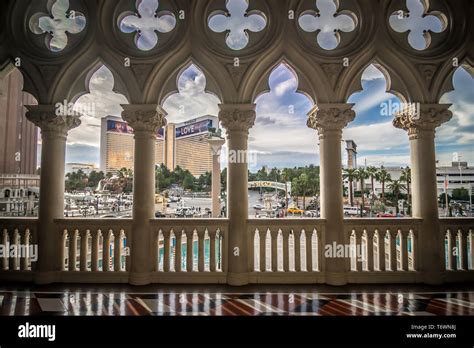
x: 124, y: 128
x: 193, y: 128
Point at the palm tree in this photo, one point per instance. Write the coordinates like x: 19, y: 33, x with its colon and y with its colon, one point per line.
x: 372, y: 172
x: 304, y: 183
x: 351, y: 175
x: 362, y: 175
x: 396, y: 187
x: 383, y: 176
x: 406, y: 177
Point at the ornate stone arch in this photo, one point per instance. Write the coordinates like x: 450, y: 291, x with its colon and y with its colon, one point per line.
x: 75, y: 81
x: 444, y: 81
x: 304, y: 85
x: 351, y: 82
x: 165, y: 82
x: 310, y: 82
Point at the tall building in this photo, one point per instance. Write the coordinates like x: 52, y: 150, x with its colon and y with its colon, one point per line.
x: 117, y: 145
x: 18, y: 136
x: 182, y: 145
x: 351, y: 149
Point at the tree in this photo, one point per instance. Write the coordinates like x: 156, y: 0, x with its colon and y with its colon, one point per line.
x: 383, y: 176
x: 396, y: 187
x: 351, y: 175
x: 406, y: 178
x: 188, y: 182
x: 125, y: 180
x: 362, y: 175
x: 95, y: 178
x: 372, y: 172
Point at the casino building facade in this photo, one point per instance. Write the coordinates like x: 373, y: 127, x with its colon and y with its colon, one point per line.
x: 183, y: 144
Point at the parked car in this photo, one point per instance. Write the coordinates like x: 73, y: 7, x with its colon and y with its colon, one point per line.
x: 385, y: 215
x: 311, y: 213
x: 159, y: 214
x: 258, y: 206
x: 353, y: 211
x: 294, y: 210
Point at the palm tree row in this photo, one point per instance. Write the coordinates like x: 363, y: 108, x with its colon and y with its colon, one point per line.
x: 382, y: 176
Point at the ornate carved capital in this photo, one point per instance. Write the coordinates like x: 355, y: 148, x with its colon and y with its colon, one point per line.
x: 423, y: 118
x: 49, y: 120
x: 144, y: 117
x: 237, y: 117
x: 330, y: 117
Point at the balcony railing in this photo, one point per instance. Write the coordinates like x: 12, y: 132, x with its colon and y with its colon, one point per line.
x: 279, y: 250
x: 285, y: 250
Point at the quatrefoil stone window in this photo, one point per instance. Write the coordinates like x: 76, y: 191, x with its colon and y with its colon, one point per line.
x: 418, y: 23
x: 328, y: 23
x: 146, y: 23
x: 61, y: 20
x: 237, y: 22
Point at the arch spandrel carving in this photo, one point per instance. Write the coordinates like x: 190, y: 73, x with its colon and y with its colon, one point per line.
x: 112, y: 14
x: 420, y: 76
x: 259, y: 42
x: 169, y: 84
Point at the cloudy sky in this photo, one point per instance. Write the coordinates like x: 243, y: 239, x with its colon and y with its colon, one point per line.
x: 280, y: 136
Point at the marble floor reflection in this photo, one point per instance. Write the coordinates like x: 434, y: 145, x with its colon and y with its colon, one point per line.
x: 86, y: 303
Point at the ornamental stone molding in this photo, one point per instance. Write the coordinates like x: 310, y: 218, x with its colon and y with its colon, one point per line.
x: 237, y: 117
x: 330, y: 117
x: 144, y: 117
x: 90, y: 34
x: 49, y: 120
x: 422, y: 119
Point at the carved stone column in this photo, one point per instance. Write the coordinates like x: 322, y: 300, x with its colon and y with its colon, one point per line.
x: 329, y: 120
x: 145, y: 119
x: 237, y: 119
x: 420, y: 125
x: 215, y: 144
x: 54, y: 130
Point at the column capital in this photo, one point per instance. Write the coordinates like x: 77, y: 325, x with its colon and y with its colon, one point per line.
x: 144, y: 117
x: 215, y: 143
x: 330, y: 117
x: 50, y: 120
x: 237, y: 117
x: 422, y: 118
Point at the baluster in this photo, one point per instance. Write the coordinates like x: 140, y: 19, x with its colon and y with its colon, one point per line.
x: 178, y: 251
x: 212, y: 251
x: 14, y: 243
x: 118, y: 251
x: 26, y: 243
x: 189, y: 251
x: 262, y: 251
x: 252, y: 252
x: 381, y: 249
x: 166, y: 250
x: 5, y: 256
x: 452, y: 255
x: 393, y: 251
x: 201, y: 251
x: 355, y: 251
x: 286, y: 251
x: 370, y: 251
x: 404, y: 245
x: 83, y: 255
x: 128, y: 257
x: 309, y: 251
x: 95, y: 252
x: 274, y: 244
x: 297, y: 248
x: 463, y: 251
x: 106, y: 252
x: 73, y: 250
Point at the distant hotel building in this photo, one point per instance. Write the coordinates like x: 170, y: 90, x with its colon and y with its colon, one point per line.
x: 86, y: 168
x: 182, y: 145
x: 19, y: 184
x: 18, y: 136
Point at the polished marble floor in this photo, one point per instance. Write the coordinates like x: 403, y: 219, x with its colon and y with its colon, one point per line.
x: 130, y: 302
